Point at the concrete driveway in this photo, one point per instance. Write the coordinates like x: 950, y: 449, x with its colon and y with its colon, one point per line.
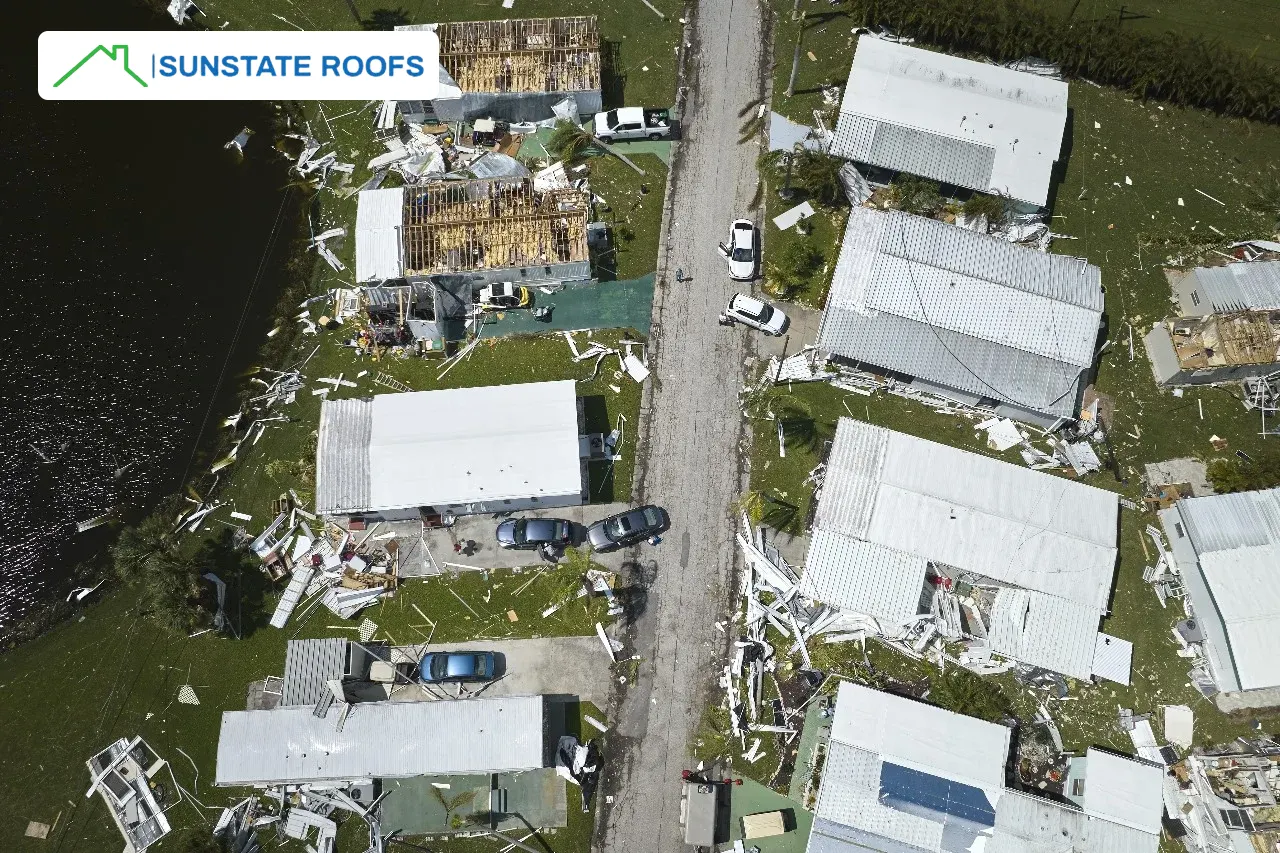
x: 690, y: 438
x: 567, y: 666
x: 431, y: 552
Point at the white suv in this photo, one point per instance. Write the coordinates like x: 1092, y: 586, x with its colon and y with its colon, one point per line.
x: 754, y: 313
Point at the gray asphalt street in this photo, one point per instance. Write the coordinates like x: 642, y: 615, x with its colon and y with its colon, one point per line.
x: 690, y: 442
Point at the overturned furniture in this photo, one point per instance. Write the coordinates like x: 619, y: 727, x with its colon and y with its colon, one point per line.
x: 516, y: 70
x: 122, y: 774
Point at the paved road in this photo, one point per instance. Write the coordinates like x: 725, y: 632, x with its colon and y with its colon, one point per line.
x: 690, y: 460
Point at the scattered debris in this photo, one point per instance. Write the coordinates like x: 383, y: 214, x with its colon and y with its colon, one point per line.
x: 788, y: 218
x: 122, y: 773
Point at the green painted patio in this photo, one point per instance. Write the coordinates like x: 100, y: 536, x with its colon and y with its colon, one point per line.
x: 416, y: 807
x: 606, y: 305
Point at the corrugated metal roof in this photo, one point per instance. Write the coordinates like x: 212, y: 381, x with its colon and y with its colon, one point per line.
x: 1234, y: 585
x: 852, y: 479
x: 1251, y: 286
x: 975, y: 513
x: 850, y: 799
x: 1124, y: 790
x: 342, y: 456
x: 381, y: 740
x: 968, y: 123
x: 378, y: 240
x: 861, y: 577
x: 308, y: 664
x: 928, y: 299
x: 1044, y: 630
x: 921, y: 737
x: 1238, y: 520
x: 456, y: 447
x: 959, y: 162
x: 1027, y: 824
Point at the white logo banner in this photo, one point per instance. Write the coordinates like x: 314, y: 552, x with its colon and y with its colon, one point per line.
x: 239, y: 66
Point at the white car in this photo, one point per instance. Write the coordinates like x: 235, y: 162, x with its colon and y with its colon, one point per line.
x: 740, y: 251
x: 754, y: 313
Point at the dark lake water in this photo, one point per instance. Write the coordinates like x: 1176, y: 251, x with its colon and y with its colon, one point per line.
x: 132, y: 240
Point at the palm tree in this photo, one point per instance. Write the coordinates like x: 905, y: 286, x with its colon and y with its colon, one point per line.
x: 571, y: 143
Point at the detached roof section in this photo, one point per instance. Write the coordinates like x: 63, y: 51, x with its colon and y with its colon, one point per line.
x: 964, y: 310
x: 1228, y: 547
x: 966, y: 123
x: 460, y: 226
x: 1251, y: 286
x: 378, y: 241
x: 902, y: 776
x: 451, y: 447
x: 381, y: 740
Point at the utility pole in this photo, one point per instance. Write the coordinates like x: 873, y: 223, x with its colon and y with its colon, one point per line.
x: 795, y: 60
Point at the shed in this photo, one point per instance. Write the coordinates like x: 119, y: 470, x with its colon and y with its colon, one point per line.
x: 382, y: 740
x: 965, y: 315
x: 460, y: 451
x: 1227, y: 549
x: 895, y: 510
x: 965, y: 123
x: 901, y: 775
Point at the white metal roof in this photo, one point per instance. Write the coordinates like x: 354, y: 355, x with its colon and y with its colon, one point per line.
x: 1124, y: 790
x: 378, y: 243
x: 921, y: 737
x: 971, y: 512
x: 1044, y: 630
x: 862, y: 577
x: 1236, y: 541
x: 453, y: 447
x: 1251, y: 286
x: 954, y: 120
x: 963, y: 310
x: 381, y: 740
x: 859, y: 808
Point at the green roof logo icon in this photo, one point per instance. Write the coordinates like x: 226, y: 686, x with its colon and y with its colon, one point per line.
x: 119, y: 51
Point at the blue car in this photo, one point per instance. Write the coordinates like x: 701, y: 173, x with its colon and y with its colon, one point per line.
x: 440, y: 667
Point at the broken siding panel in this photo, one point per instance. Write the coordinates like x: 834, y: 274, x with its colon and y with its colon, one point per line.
x: 308, y: 664
x: 1113, y: 658
x: 1253, y: 285
x: 342, y: 456
x: 853, y: 475
x: 862, y: 577
x: 1045, y: 631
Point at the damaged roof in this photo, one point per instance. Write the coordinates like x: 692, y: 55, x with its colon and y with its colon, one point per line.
x: 902, y: 776
x: 1251, y: 286
x: 964, y: 310
x: 966, y: 123
x: 1228, y: 548
x: 462, y: 446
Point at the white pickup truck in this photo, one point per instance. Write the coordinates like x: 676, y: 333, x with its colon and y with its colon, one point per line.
x: 633, y: 123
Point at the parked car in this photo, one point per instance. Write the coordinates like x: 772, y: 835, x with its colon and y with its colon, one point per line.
x: 627, y: 528
x: 754, y: 313
x: 504, y: 294
x: 529, y: 533
x: 633, y: 123
x: 741, y: 250
x: 440, y: 667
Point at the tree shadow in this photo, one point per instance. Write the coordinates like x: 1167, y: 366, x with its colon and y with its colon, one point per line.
x: 247, y: 586
x: 385, y: 19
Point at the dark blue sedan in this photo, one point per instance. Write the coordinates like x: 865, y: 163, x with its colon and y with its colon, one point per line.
x: 439, y: 667
x: 529, y: 533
